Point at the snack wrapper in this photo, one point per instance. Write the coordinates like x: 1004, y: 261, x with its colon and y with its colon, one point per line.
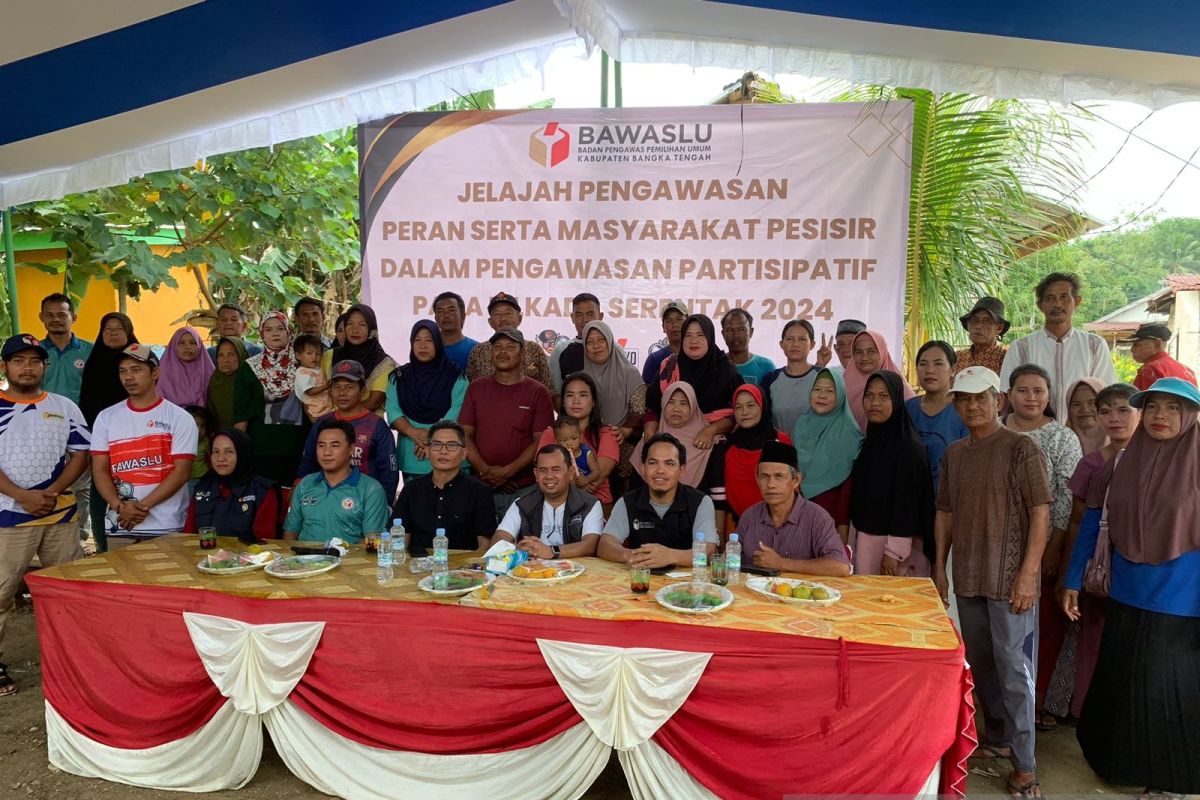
x: 502, y: 557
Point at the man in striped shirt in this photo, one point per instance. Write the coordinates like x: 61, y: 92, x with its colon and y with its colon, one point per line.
x: 785, y: 531
x: 43, y: 450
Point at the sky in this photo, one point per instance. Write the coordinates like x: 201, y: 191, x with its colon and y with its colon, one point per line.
x: 1143, y: 174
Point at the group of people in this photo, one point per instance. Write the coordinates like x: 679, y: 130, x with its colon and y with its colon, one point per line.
x: 1017, y: 471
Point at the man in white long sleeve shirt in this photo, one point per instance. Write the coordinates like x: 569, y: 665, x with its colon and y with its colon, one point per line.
x: 1065, y: 352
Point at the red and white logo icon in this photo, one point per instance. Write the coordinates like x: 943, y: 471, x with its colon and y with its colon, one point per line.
x: 550, y: 146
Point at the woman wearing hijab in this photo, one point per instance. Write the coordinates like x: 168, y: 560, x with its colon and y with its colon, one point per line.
x: 100, y: 387
x: 429, y: 388
x: 827, y: 443
x: 681, y: 417
x: 235, y: 397
x: 279, y: 435
x: 1082, y: 417
x: 1141, y: 720
x: 737, y: 457
x: 232, y: 498
x: 708, y: 370
x: 362, y: 345
x: 622, y: 398
x: 891, y: 491
x: 870, y: 356
x: 185, y: 368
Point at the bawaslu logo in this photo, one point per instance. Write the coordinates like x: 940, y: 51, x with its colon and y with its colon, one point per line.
x: 550, y: 146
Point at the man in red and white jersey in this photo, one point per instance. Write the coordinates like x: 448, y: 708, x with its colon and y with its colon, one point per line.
x: 142, y: 453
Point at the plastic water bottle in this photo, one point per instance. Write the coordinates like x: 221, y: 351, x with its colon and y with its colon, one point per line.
x: 441, y: 559
x: 699, y: 559
x: 399, y: 542
x: 383, y: 568
x: 733, y: 559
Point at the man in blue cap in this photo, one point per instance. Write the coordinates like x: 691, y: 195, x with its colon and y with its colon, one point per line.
x: 44, y: 443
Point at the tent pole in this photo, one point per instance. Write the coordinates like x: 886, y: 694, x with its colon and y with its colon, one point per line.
x: 617, y: 83
x: 10, y: 271
x: 603, y: 79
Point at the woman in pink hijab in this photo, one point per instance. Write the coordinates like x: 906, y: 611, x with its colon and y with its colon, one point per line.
x: 870, y: 356
x: 185, y: 368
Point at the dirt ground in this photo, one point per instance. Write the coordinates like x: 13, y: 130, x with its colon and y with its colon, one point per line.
x: 25, y: 773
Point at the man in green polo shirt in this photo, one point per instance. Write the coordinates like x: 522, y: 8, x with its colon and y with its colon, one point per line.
x: 339, y: 500
x: 68, y: 353
x: 64, y: 375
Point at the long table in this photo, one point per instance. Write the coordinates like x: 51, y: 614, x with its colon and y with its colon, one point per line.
x: 158, y: 675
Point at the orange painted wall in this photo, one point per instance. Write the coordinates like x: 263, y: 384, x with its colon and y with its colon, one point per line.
x: 153, y: 314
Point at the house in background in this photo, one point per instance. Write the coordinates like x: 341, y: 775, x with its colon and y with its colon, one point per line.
x: 156, y: 314
x: 1177, y: 305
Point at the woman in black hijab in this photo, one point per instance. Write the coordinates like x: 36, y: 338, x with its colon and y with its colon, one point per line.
x: 101, y: 384
x: 710, y: 373
x: 232, y: 498
x: 891, y: 486
x: 100, y: 388
x: 362, y: 345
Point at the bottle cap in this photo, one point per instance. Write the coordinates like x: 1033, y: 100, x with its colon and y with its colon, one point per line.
x: 733, y: 537
x: 699, y: 537
x: 441, y: 532
x: 397, y: 521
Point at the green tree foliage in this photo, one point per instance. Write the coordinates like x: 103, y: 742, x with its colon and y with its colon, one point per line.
x: 260, y: 227
x: 1115, y: 267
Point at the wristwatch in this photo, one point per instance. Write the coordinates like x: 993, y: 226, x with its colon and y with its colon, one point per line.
x: 554, y: 551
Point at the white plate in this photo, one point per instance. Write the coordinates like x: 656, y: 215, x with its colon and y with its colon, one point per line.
x: 709, y: 588
x: 426, y: 585
x: 763, y: 587
x: 273, y: 569
x: 202, y: 565
x: 573, y: 569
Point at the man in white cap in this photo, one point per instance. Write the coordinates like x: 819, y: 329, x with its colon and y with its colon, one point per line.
x: 993, y: 508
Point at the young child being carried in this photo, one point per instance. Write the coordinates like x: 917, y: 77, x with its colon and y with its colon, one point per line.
x: 310, y: 384
x: 568, y: 434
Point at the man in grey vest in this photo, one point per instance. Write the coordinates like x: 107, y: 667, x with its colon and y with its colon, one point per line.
x: 559, y: 520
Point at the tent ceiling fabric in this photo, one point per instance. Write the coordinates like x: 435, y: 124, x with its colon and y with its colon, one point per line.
x: 383, y: 75
x: 98, y: 93
x: 1063, y: 52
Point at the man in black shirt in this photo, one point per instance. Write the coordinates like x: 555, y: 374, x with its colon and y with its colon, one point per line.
x: 446, y: 498
x: 655, y: 526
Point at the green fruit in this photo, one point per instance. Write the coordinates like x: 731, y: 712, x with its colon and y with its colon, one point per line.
x: 820, y: 594
x: 802, y: 592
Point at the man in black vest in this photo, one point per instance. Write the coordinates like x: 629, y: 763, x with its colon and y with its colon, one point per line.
x: 654, y: 526
x: 558, y: 520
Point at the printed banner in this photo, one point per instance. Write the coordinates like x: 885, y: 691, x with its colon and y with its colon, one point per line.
x: 791, y: 211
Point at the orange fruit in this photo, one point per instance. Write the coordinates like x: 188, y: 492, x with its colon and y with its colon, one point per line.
x: 783, y: 590
x: 521, y: 572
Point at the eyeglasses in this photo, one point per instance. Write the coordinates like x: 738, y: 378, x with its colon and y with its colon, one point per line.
x: 449, y: 446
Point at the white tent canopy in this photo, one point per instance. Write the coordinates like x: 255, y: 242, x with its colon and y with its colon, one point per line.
x: 382, y: 75
x: 101, y: 92
x: 852, y: 45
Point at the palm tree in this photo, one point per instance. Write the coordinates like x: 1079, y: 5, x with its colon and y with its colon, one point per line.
x: 978, y: 166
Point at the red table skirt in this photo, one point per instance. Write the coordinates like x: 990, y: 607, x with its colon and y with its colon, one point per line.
x: 771, y: 715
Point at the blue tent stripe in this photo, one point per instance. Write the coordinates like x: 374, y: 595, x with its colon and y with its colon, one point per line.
x: 195, y: 48
x: 1156, y: 26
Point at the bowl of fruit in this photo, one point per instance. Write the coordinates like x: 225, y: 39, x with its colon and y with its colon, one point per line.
x: 542, y: 572
x: 694, y: 598
x: 792, y: 590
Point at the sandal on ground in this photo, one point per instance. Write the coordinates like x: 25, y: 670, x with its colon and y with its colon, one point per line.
x: 7, y: 686
x: 988, y: 751
x: 1045, y: 721
x: 1030, y: 788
